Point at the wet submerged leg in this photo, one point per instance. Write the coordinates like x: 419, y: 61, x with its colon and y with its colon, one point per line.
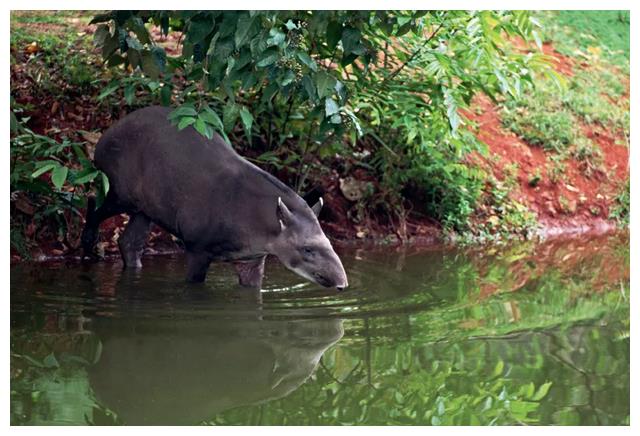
x: 132, y: 241
x: 197, y: 266
x: 250, y: 272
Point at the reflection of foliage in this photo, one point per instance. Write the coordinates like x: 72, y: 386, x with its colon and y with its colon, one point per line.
x: 481, y: 360
x: 489, y: 381
x: 54, y: 388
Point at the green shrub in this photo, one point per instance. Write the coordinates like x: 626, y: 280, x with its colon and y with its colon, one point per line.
x: 388, y: 79
x: 622, y: 208
x: 589, y: 157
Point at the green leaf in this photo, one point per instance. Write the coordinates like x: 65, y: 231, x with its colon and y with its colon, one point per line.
x: 43, y: 169
x: 183, y: 111
x: 203, y: 128
x: 105, y: 183
x: 50, y: 361
x: 230, y: 114
x: 325, y: 84
x: 185, y: 121
x: 537, y: 39
x: 86, y: 178
x: 14, y: 123
x: 165, y: 95
x: 351, y: 41
x: 159, y: 56
x: 288, y: 78
x: 306, y: 59
x: 542, y: 391
x: 452, y: 110
x: 247, y: 121
x: 498, y: 368
x: 129, y: 93
x: 198, y: 29
x: 309, y: 87
x: 403, y: 20
x: 133, y: 43
x: 334, y: 33
x: 211, y: 117
x: 276, y: 38
x: 290, y: 25
x: 268, y: 60
x: 212, y: 45
x: 242, y: 30
x: 528, y: 390
x: 341, y: 90
x: 59, y: 176
x: 149, y: 65
x: 330, y: 107
x: 110, y: 89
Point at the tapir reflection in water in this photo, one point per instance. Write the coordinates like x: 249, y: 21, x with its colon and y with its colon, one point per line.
x: 187, y: 371
x: 223, y: 207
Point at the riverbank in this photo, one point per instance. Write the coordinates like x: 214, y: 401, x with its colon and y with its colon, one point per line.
x: 554, y: 163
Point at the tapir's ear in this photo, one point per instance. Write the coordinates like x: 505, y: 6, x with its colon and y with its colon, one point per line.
x: 283, y: 213
x: 313, y: 196
x: 316, y: 208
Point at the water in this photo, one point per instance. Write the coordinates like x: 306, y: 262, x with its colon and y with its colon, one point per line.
x: 524, y: 334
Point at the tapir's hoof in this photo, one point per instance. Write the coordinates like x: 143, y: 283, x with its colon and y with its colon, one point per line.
x: 91, y: 257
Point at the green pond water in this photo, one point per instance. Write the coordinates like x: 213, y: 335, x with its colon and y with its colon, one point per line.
x: 533, y: 333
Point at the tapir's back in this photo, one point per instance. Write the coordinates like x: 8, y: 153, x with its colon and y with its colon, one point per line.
x: 155, y: 168
x: 148, y: 134
x: 185, y: 182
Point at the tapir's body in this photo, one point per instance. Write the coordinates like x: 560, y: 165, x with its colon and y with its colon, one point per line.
x: 223, y: 207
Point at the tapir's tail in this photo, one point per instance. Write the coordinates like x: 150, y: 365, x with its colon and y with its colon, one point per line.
x: 90, y: 231
x: 91, y: 209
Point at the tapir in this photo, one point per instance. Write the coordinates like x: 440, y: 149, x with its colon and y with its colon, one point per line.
x: 223, y: 207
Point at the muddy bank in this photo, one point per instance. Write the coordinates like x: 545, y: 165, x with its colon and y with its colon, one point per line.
x: 431, y: 237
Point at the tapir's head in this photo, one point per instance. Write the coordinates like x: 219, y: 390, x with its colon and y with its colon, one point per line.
x: 303, y: 248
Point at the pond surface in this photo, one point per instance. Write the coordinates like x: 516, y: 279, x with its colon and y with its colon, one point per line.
x: 523, y: 334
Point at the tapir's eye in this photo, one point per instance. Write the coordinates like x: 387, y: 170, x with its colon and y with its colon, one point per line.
x: 307, y: 251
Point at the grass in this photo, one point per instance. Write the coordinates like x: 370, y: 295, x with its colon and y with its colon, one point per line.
x: 580, y: 33
x: 589, y: 157
x: 551, y: 116
x: 541, y: 119
x: 622, y: 207
x: 56, y: 61
x: 596, y: 97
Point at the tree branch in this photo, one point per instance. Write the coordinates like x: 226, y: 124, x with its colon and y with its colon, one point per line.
x: 415, y: 53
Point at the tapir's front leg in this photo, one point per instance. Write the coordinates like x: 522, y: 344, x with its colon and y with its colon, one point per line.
x: 197, y: 266
x: 250, y: 272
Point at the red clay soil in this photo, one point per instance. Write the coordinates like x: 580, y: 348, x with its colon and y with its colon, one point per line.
x: 562, y: 64
x: 586, y: 201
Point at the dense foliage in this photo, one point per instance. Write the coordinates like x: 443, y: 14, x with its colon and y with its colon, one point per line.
x: 296, y: 85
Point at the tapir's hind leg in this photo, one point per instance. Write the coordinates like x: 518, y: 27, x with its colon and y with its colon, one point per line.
x: 132, y: 241
x: 250, y: 272
x: 109, y: 208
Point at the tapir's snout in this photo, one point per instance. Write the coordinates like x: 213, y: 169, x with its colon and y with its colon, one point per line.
x: 343, y: 283
x: 323, y: 280
x: 332, y: 277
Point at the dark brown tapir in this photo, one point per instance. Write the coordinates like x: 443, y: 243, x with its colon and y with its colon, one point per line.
x: 220, y: 205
